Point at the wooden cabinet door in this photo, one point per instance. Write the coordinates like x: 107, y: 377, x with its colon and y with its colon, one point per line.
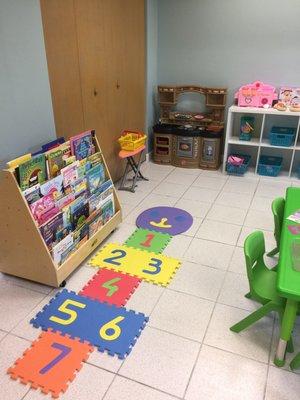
x: 110, y: 40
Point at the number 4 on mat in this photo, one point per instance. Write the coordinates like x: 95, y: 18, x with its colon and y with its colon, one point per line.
x: 111, y: 287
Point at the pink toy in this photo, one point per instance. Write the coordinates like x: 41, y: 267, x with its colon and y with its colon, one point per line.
x: 256, y: 94
x: 234, y: 160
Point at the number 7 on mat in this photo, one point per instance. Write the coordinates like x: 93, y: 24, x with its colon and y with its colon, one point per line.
x: 65, y: 350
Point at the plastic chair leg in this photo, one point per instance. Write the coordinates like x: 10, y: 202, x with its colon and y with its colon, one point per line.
x: 290, y: 346
x: 295, y: 363
x: 254, y: 317
x: 248, y: 295
x: 273, y: 252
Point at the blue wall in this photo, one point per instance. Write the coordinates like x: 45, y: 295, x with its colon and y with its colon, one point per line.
x: 228, y: 42
x: 25, y: 101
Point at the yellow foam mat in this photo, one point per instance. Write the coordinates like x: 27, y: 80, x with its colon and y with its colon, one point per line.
x: 152, y: 267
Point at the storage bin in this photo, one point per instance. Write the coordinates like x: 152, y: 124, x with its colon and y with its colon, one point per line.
x: 282, y: 136
x: 238, y: 169
x: 131, y: 140
x: 246, y: 127
x: 269, y: 166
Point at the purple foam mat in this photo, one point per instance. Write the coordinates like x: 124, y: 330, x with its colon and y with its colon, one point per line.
x: 169, y: 220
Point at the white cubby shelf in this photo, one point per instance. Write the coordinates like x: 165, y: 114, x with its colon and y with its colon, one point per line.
x: 259, y: 143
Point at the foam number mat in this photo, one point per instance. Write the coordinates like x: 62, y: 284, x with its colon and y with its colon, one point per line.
x: 145, y: 239
x: 107, y: 327
x: 51, y: 362
x: 152, y: 267
x: 111, y: 286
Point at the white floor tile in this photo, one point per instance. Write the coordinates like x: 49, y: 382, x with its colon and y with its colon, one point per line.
x: 131, y: 198
x: 188, y: 171
x: 180, y: 178
x: 198, y: 280
x: 215, y: 183
x: 90, y: 383
x: 14, y: 280
x: 15, y: 303
x: 177, y: 246
x: 170, y: 189
x: 131, y: 390
x: 144, y: 298
x: 246, y: 186
x: 182, y: 314
x: 121, y: 234
x: 234, y: 200
x: 161, y: 360
x: 104, y: 361
x: 260, y: 220
x: 11, y: 349
x: 233, y: 292
x: 196, y: 208
x: 282, y: 385
x: 268, y: 235
x: 227, y: 214
x: 253, y: 342
x: 271, y: 189
x: 221, y: 375
x: 261, y: 203
x: 219, y: 232
x: 80, y: 278
x: 2, y: 335
x: 212, y: 254
x: 201, y: 194
x: 237, y: 263
x: 195, y: 226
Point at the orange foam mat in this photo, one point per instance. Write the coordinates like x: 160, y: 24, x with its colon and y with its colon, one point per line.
x: 51, y: 362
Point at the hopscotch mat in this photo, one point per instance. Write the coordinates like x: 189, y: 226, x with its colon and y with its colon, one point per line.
x: 152, y: 267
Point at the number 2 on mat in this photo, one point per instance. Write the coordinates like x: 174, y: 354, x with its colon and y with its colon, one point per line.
x: 65, y: 350
x: 156, y: 264
x: 147, y: 242
x: 111, y: 260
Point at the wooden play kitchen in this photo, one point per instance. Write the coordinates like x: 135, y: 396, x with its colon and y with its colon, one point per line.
x: 23, y: 251
x: 189, y: 139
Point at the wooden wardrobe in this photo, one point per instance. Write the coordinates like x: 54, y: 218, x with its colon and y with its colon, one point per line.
x: 96, y: 60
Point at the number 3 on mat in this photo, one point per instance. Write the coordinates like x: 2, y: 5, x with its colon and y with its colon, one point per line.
x: 156, y: 264
x: 111, y: 260
x: 64, y: 351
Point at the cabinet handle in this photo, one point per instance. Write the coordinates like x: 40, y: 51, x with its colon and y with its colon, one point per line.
x: 95, y: 92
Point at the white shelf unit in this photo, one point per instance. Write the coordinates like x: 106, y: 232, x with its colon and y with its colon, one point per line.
x: 259, y: 143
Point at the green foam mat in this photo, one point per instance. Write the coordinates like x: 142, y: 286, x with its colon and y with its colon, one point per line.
x: 145, y: 239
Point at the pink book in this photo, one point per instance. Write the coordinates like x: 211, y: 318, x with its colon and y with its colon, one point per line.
x: 42, y: 206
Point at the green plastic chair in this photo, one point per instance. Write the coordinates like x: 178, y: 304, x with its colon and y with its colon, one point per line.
x: 262, y: 282
x: 278, y: 211
x: 295, y: 363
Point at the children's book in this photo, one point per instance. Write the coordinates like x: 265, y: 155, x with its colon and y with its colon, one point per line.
x: 32, y: 194
x: 66, y: 150
x: 69, y: 173
x: 97, y: 199
x: 80, y: 216
x: 95, y: 177
x: 42, y: 206
x: 79, y: 186
x: 108, y: 209
x: 53, y: 187
x: 61, y: 247
x: 82, y: 145
x: 54, y: 143
x: 64, y: 201
x: 32, y: 171
x: 17, y: 161
x: 50, y: 229
x: 55, y: 162
x: 77, y: 203
x: 95, y: 159
x: 69, y: 160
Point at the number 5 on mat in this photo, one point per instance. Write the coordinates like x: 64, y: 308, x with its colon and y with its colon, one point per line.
x: 64, y: 351
x: 64, y: 309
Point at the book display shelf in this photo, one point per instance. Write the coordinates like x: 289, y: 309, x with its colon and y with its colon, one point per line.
x: 264, y: 120
x: 23, y: 251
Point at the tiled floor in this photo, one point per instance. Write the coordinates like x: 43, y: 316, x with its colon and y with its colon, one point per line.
x: 186, y: 351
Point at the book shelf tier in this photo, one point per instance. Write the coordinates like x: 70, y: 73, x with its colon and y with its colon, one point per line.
x: 259, y: 143
x: 23, y: 252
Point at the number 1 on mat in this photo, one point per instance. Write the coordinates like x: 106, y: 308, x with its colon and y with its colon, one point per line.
x: 147, y: 242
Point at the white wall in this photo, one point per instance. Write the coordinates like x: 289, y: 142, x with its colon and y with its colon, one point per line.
x: 152, y: 42
x: 26, y: 117
x: 228, y: 42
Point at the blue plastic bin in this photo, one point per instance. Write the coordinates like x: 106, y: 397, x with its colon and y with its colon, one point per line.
x: 281, y: 136
x: 269, y: 166
x: 238, y: 169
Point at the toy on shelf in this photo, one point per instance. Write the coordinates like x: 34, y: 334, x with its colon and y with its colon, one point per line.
x: 256, y: 94
x: 246, y: 127
x: 289, y: 99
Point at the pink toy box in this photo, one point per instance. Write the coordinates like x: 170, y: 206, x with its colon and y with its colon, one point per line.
x: 256, y: 94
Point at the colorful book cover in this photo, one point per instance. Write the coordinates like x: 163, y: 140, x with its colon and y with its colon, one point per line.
x: 17, y: 161
x: 95, y: 222
x: 55, y: 162
x: 77, y: 203
x: 48, y: 215
x: 82, y: 145
x: 79, y: 186
x: 59, y: 248
x: 95, y: 159
x: 32, y: 194
x: 108, y: 210
x: 64, y: 201
x: 32, y: 171
x: 80, y: 216
x: 97, y: 199
x: 69, y: 173
x: 66, y: 150
x: 54, y: 187
x: 50, y: 228
x: 54, y: 143
x: 66, y: 253
x: 95, y: 177
x: 69, y: 160
x: 42, y: 206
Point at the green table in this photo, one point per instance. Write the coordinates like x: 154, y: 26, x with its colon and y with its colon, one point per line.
x: 288, y: 282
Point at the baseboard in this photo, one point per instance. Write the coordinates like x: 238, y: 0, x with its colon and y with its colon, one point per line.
x: 149, y: 156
